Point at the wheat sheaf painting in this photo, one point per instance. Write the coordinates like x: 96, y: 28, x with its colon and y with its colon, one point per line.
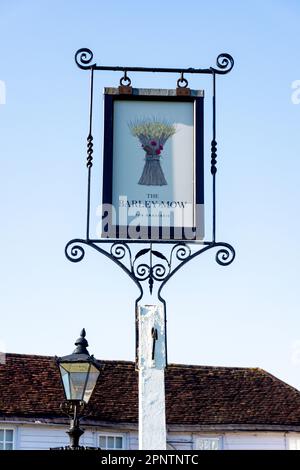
x: 152, y: 134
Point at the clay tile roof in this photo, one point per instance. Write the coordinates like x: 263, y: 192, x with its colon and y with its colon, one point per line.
x: 195, y: 395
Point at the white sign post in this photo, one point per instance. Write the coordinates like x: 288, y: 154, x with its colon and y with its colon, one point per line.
x: 151, y: 363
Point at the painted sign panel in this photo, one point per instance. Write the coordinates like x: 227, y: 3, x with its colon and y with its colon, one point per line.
x: 153, y: 165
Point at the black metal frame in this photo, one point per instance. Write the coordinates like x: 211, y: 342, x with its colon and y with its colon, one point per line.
x: 158, y: 267
x: 107, y: 194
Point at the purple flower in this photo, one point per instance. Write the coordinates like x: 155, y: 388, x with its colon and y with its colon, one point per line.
x: 157, y: 152
x: 161, y: 147
x: 153, y: 143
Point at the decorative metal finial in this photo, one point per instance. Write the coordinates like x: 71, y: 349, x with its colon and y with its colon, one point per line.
x: 81, y: 344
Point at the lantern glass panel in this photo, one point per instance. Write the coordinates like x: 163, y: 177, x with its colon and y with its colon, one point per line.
x: 74, y: 377
x: 91, y: 382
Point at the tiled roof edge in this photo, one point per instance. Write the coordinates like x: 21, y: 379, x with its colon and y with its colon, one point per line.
x: 119, y: 361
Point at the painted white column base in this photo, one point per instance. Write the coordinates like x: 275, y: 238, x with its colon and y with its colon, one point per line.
x: 152, y: 415
x: 152, y: 423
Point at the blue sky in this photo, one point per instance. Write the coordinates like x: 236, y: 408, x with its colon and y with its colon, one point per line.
x: 243, y: 315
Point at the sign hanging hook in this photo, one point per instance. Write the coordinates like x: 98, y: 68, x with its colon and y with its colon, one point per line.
x: 182, y: 82
x: 125, y: 80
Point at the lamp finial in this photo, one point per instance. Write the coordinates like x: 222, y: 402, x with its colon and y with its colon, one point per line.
x: 81, y: 344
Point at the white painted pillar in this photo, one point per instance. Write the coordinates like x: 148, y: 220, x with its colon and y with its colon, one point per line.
x: 152, y: 415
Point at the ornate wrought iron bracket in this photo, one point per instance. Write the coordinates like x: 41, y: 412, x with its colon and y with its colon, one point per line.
x: 147, y: 264
x: 84, y: 60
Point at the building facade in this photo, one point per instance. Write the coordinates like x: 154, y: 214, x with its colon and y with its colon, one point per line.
x: 213, y: 408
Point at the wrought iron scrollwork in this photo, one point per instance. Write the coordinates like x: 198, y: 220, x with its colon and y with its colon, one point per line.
x: 150, y: 271
x: 180, y: 251
x: 118, y: 250
x: 142, y: 266
x: 225, y: 255
x: 224, y: 63
x: 74, y: 252
x: 83, y: 58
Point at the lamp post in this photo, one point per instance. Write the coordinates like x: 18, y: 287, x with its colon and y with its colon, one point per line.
x: 79, y: 373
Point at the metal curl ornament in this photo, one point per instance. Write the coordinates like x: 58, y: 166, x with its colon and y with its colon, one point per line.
x: 143, y: 272
x: 159, y: 271
x: 74, y: 253
x: 118, y: 251
x: 225, y: 256
x: 181, y: 251
x: 224, y: 63
x: 83, y: 58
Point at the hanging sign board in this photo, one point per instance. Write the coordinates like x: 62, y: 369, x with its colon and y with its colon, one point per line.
x: 153, y: 184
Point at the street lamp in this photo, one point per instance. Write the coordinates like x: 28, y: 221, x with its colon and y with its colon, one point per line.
x: 79, y: 373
